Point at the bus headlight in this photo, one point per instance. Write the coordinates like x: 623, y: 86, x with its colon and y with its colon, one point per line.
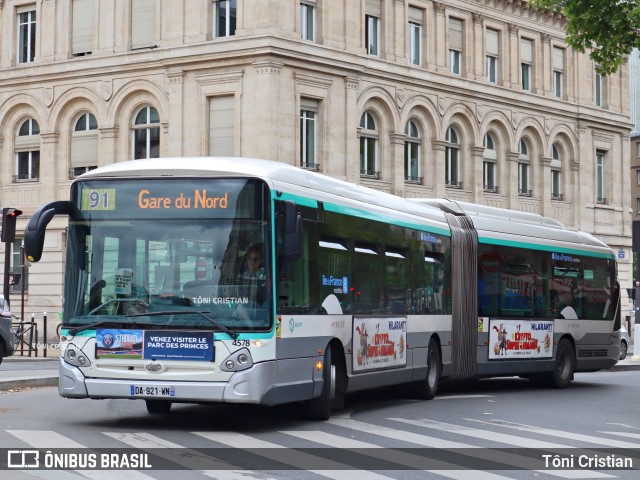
x: 237, y: 361
x: 74, y: 356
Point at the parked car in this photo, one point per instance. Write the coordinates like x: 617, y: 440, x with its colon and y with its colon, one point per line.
x: 6, y: 332
x: 624, y: 342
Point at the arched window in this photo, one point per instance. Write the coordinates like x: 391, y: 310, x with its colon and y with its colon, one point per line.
x: 27, y: 149
x: 489, y: 165
x: 452, y: 159
x: 84, y: 145
x: 556, y: 173
x: 412, y: 153
x: 524, y: 169
x: 368, y: 146
x: 145, y: 134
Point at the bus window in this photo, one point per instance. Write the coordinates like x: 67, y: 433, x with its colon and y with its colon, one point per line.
x: 367, y: 278
x: 334, y: 262
x: 397, y: 276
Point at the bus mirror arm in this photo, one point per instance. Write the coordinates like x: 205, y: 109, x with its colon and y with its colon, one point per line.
x: 35, y: 230
x: 292, y: 231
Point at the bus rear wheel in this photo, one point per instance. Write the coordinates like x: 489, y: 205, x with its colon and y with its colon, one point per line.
x: 319, y: 408
x: 158, y: 407
x: 564, y: 367
x: 428, y: 388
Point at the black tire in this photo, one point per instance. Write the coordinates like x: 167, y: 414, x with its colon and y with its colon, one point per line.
x: 623, y: 350
x: 2, y: 351
x: 427, y: 389
x: 564, y: 367
x: 319, y: 408
x: 158, y: 407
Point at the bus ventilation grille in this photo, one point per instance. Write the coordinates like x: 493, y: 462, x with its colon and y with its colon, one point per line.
x: 592, y: 352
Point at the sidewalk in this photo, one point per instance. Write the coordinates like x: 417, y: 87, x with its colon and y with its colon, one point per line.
x: 20, y: 372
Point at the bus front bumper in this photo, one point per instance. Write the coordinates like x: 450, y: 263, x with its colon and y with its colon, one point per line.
x: 259, y: 385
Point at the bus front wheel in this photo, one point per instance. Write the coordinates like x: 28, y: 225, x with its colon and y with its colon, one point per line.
x: 319, y: 408
x: 564, y: 366
x: 158, y: 406
x: 428, y: 388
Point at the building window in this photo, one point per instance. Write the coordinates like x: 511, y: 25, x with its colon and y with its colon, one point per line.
x: 373, y: 13
x: 558, y: 69
x: 452, y: 159
x: 415, y: 36
x: 221, y: 126
x: 308, y: 133
x: 638, y: 205
x: 492, y: 48
x: 27, y: 149
x: 368, y: 146
x: 84, y: 145
x: 489, y: 167
x: 224, y: 18
x: 308, y: 20
x: 455, y: 45
x: 598, y: 89
x: 556, y: 174
x: 524, y: 165
x: 600, y: 198
x: 638, y: 177
x: 145, y: 134
x: 143, y: 23
x: 526, y: 60
x: 412, y: 153
x: 26, y: 34
x: 82, y: 27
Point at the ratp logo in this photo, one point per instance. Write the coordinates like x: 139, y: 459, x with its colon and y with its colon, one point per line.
x: 23, y: 459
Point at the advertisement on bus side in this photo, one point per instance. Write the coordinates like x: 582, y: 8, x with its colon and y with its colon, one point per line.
x: 520, y: 339
x: 379, y: 343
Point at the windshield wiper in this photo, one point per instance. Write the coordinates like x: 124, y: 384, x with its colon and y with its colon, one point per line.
x: 206, y: 315
x: 75, y: 330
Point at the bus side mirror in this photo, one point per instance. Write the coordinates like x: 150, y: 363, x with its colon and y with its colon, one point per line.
x: 292, y: 231
x: 35, y: 230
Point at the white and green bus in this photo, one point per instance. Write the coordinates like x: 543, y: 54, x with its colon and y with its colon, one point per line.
x: 250, y: 281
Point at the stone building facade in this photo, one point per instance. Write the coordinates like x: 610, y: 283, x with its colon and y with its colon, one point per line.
x: 475, y: 100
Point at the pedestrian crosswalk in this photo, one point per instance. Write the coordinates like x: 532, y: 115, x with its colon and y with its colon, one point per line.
x: 385, y: 449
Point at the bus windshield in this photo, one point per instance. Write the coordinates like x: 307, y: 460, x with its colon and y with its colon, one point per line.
x: 156, y: 252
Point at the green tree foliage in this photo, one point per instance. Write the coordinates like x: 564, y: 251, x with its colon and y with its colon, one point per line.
x: 608, y: 29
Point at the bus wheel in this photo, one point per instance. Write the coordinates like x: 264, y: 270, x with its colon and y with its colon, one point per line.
x: 564, y: 366
x: 319, y: 408
x: 158, y: 406
x: 428, y: 388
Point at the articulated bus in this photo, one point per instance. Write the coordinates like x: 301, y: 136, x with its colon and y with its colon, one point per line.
x: 250, y: 281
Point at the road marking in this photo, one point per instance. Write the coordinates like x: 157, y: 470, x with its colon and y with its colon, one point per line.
x: 180, y: 455
x: 624, y: 434
x: 411, y: 437
x: 297, y: 459
x: 600, y: 441
x: 416, y: 462
x: 46, y: 439
x: 521, y: 461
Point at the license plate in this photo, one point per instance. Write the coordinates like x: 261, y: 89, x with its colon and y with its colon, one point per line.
x: 152, y: 391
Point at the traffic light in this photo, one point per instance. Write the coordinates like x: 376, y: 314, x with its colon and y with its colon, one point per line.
x: 9, y: 216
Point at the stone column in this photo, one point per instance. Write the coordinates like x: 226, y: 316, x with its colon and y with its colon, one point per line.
x: 477, y: 54
x: 48, y: 168
x: 173, y: 143
x: 396, y: 154
x: 108, y: 146
x: 259, y: 105
x: 514, y: 55
x: 476, y: 181
x: 45, y: 22
x: 545, y: 65
x: 352, y: 122
x: 511, y: 188
x: 441, y: 35
x: 437, y: 180
x: 545, y: 185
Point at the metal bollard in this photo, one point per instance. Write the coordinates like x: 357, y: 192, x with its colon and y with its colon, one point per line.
x: 46, y: 342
